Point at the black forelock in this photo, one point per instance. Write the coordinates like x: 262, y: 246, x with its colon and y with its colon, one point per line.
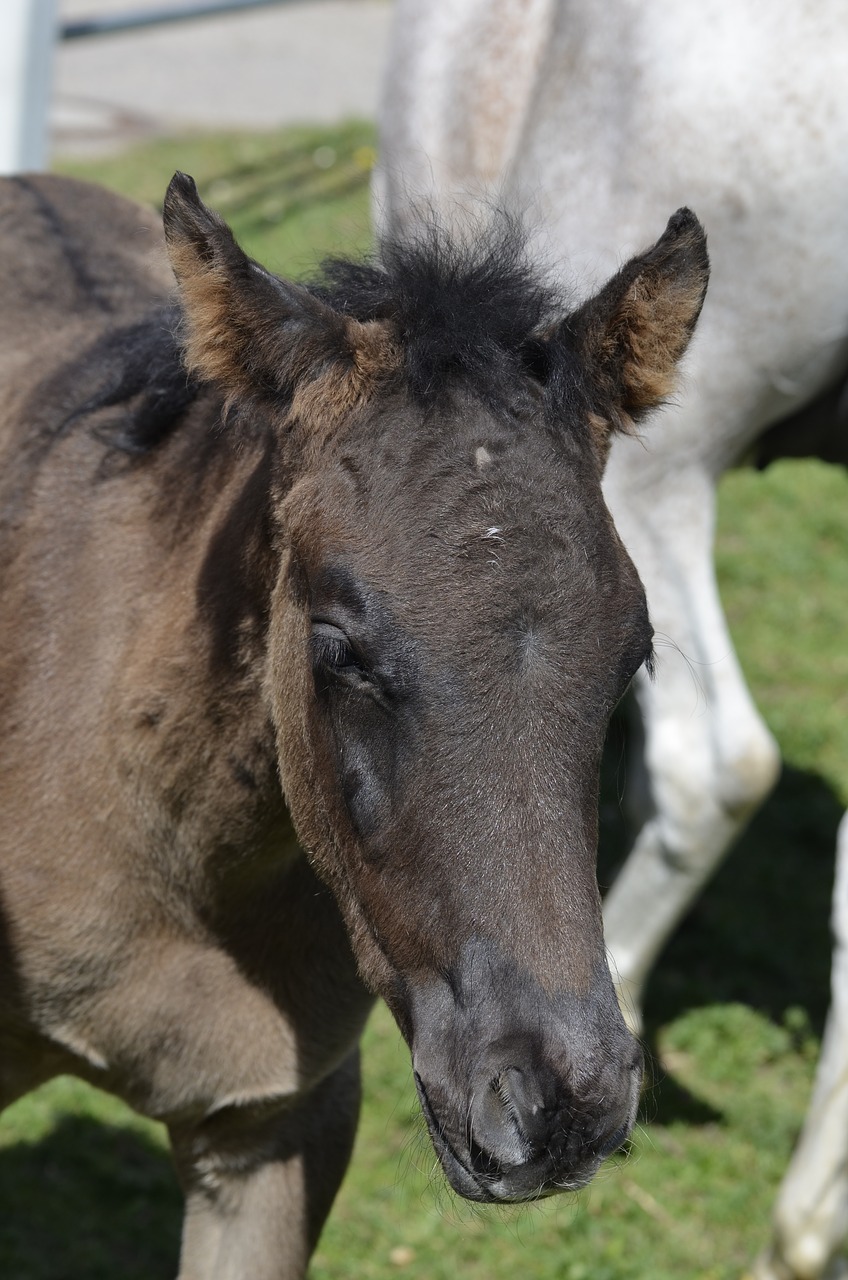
x: 467, y: 309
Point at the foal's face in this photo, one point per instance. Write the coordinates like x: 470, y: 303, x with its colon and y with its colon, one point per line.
x: 453, y: 622
x: 465, y: 618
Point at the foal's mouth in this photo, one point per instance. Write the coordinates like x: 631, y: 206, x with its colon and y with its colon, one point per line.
x: 457, y: 1172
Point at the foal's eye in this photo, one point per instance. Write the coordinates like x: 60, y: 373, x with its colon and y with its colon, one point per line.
x: 332, y: 651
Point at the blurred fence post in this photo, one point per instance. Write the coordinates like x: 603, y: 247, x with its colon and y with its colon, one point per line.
x: 27, y: 39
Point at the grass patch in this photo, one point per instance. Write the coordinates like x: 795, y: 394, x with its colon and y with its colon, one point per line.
x: 87, y: 1191
x: 291, y: 197
x: 86, y: 1187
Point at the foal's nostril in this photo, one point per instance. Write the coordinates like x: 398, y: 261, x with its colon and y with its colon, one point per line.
x: 507, y: 1118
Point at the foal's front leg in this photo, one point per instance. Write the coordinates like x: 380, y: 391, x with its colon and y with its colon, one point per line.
x: 259, y: 1184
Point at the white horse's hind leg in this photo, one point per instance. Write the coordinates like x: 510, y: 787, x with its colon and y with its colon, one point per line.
x: 811, y: 1214
x: 710, y: 759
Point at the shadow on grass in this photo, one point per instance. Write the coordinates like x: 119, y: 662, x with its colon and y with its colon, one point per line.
x: 759, y: 934
x: 665, y: 1100
x: 89, y: 1201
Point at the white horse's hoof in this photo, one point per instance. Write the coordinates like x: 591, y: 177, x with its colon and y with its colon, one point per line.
x: 769, y: 1266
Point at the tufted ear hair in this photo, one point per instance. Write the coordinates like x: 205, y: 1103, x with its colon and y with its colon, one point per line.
x: 631, y: 335
x: 255, y: 335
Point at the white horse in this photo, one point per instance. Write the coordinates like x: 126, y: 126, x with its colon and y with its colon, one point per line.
x: 596, y: 120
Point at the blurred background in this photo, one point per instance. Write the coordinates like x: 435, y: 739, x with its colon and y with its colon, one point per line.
x: 273, y: 110
x: 316, y: 62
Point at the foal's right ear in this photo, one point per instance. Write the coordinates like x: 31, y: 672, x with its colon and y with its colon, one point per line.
x: 251, y: 333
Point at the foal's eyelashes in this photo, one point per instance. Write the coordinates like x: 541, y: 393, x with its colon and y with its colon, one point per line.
x: 333, y: 649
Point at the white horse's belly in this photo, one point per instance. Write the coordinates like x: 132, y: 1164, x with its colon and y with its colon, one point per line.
x: 752, y: 133
x: 598, y: 122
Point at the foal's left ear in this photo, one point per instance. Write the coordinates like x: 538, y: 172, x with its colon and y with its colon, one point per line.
x: 632, y: 334
x: 251, y: 333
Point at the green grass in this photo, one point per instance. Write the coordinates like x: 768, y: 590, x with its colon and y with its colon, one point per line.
x: 292, y: 197
x: 86, y: 1190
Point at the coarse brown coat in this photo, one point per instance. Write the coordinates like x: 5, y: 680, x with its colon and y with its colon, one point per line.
x: 351, y: 571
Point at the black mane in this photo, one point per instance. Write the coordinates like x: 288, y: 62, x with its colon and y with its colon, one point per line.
x: 136, y: 371
x: 146, y: 382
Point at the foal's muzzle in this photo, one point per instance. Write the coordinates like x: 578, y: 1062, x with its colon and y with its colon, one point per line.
x: 524, y: 1095
x: 512, y: 1147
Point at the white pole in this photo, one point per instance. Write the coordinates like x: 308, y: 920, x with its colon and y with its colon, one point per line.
x: 27, y: 39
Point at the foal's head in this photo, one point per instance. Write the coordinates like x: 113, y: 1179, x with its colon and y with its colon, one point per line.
x: 453, y: 622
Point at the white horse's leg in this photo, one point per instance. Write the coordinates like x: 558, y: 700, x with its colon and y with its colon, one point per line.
x: 710, y: 758
x: 811, y: 1214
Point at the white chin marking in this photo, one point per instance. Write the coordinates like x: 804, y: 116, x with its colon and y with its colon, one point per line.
x: 482, y: 457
